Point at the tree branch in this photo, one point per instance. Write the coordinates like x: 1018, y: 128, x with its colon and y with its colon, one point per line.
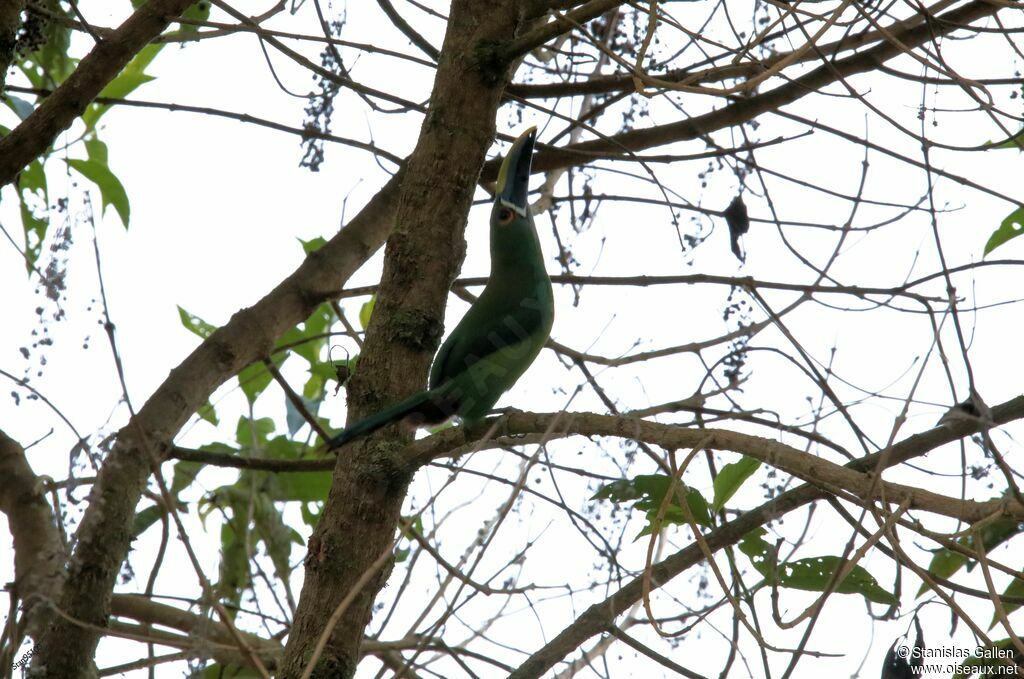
x: 745, y: 109
x: 826, y: 475
x: 596, y: 619
x: 203, y: 633
x: 304, y: 132
x: 260, y: 463
x: 105, y: 531
x: 402, y: 25
x: 557, y: 26
x: 694, y: 75
x: 423, y: 256
x: 38, y: 550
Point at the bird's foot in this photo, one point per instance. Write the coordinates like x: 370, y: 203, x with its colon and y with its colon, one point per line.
x: 502, y: 412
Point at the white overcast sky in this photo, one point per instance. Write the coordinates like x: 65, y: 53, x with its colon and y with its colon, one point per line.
x: 218, y: 206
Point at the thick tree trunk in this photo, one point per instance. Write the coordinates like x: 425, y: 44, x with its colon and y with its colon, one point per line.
x: 423, y: 256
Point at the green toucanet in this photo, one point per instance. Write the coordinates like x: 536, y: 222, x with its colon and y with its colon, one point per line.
x: 502, y: 332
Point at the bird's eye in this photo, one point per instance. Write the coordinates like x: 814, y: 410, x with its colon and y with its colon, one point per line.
x: 505, y: 215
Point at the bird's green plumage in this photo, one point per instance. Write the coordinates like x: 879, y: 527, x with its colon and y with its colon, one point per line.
x: 501, y: 334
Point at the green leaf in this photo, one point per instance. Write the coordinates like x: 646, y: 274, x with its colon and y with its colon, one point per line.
x: 130, y: 79
x: 21, y: 108
x: 209, y: 413
x: 96, y: 150
x: 276, y: 536
x: 761, y: 553
x: 185, y: 473
x: 35, y: 231
x: 731, y: 478
x: 1014, y: 589
x: 250, y: 433
x: 221, y: 671
x: 1010, y: 228
x: 813, y: 575
x: 623, y: 490
x: 49, y: 63
x: 111, y: 190
x: 234, y: 557
x: 35, y: 219
x: 299, y: 486
x: 309, y: 337
x: 196, y: 324
x: 311, y: 512
x: 253, y: 379
x: 146, y: 518
x: 674, y: 514
x: 648, y: 491
x: 294, y: 418
x: 32, y: 73
x: 1014, y: 142
x: 315, y: 387
x: 124, y: 84
x: 366, y: 311
x: 32, y: 178
x: 284, y: 448
x: 946, y: 562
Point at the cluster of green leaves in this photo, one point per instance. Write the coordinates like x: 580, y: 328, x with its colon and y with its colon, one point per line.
x: 308, y: 341
x: 647, y: 493
x: 252, y: 506
x: 46, y: 68
x: 407, y: 526
x: 46, y: 64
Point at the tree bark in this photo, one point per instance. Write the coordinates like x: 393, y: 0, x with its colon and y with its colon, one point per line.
x: 66, y: 648
x: 422, y: 258
x: 38, y: 551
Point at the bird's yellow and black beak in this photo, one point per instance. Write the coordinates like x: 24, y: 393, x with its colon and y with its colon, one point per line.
x: 513, y: 185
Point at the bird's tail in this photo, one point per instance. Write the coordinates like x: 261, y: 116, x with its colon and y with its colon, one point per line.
x: 427, y: 406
